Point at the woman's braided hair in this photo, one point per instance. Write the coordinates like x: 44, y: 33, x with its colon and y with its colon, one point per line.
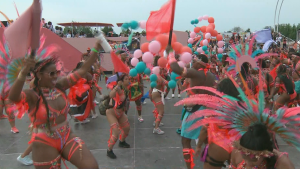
x: 40, y: 67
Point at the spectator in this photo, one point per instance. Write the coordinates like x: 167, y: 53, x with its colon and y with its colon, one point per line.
x: 69, y: 35
x: 226, y: 41
x: 51, y: 27
x: 284, y: 43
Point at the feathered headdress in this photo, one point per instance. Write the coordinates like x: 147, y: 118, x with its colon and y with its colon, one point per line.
x: 10, y: 68
x: 228, y: 113
x: 238, y: 55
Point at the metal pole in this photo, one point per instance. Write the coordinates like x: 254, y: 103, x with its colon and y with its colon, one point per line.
x: 279, y: 15
x: 275, y: 16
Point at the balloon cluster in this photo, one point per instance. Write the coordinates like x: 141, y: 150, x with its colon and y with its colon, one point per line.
x: 207, y: 33
x: 131, y: 24
x: 134, y: 25
x: 174, y: 79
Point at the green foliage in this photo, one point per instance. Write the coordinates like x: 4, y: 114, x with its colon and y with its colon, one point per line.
x: 248, y: 30
x: 289, y: 30
x: 107, y: 29
x: 77, y: 29
x: 143, y: 33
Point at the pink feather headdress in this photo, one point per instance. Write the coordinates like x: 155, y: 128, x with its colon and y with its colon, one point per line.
x: 239, y: 56
x: 228, y: 112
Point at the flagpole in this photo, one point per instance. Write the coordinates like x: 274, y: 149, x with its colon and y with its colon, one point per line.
x: 172, y: 22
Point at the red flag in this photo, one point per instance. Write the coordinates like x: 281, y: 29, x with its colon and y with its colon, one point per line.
x: 118, y: 64
x: 160, y: 21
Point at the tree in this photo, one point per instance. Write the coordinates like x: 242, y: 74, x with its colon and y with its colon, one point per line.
x: 125, y: 32
x: 237, y: 29
x: 79, y: 29
x: 143, y: 33
x: 289, y: 30
x: 107, y: 29
x: 248, y: 30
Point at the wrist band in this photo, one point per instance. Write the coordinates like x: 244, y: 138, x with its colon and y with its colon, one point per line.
x: 94, y: 50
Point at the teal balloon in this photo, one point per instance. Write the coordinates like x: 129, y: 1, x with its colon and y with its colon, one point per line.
x: 204, y: 48
x: 125, y: 25
x: 133, y: 72
x: 206, y: 52
x: 172, y: 84
x: 147, y: 71
x: 190, y: 45
x: 196, y: 53
x: 134, y: 25
x: 196, y: 21
x: 174, y: 76
x: 140, y: 67
x: 153, y: 84
x: 192, y: 22
x: 153, y: 78
x: 220, y: 56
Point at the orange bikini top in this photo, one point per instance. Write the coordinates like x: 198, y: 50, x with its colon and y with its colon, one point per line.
x: 41, y: 114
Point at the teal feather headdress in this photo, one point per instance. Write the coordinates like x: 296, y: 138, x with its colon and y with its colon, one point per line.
x: 237, y: 117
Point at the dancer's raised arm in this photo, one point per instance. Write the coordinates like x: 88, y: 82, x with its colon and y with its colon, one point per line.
x: 72, y: 78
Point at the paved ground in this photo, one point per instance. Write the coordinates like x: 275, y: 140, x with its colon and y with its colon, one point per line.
x: 148, y: 151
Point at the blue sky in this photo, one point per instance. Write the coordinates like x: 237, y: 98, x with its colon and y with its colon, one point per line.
x: 253, y: 14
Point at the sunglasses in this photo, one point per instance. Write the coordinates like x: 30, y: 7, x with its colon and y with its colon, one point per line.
x: 51, y: 74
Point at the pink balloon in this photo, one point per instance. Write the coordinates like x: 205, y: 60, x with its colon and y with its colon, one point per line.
x: 207, y: 36
x: 137, y: 53
x: 220, y: 50
x: 134, y: 61
x: 191, y: 40
x: 186, y: 57
x: 149, y: 65
x: 181, y: 64
x: 143, y: 24
x: 200, y: 18
x: 156, y: 70
x: 221, y: 44
x: 154, y: 46
x: 205, y: 17
x: 192, y: 34
x: 199, y: 50
x: 205, y: 42
x: 148, y: 57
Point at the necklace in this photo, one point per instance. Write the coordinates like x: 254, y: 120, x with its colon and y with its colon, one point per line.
x: 50, y: 94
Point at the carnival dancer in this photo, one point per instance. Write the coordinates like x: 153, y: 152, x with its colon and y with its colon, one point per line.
x: 218, y: 148
x: 165, y: 74
x: 267, y: 80
x: 6, y: 104
x: 199, y: 76
x: 296, y: 75
x: 136, y: 88
x: 157, y: 97
x: 117, y: 103
x: 285, y: 87
x: 249, y: 126
x: 115, y: 114
x: 81, y: 97
x: 185, y: 85
x: 48, y: 107
x: 178, y: 88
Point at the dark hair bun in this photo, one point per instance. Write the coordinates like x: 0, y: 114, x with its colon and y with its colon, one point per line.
x: 258, y: 130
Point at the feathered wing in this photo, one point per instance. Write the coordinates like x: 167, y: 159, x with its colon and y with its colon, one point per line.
x: 13, y: 70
